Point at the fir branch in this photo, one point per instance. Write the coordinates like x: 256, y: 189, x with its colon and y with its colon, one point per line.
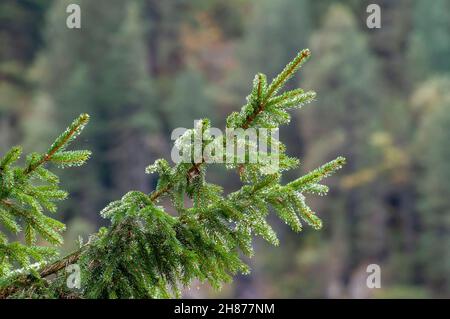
x: 260, y: 104
x: 26, y: 194
x: 61, y: 142
x: 318, y: 174
x: 146, y: 252
x: 288, y: 72
x: 10, y: 157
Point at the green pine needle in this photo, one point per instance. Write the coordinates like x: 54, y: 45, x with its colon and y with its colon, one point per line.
x: 147, y: 252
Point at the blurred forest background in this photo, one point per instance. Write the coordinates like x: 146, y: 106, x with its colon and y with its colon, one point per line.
x: 143, y: 68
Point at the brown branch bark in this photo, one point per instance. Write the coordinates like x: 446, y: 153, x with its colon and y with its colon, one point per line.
x: 45, y: 272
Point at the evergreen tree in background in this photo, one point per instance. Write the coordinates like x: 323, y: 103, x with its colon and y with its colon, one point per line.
x: 429, y: 41
x: 146, y: 252
x: 123, y: 67
x: 20, y: 40
x: 173, y: 77
x: 188, y: 83
x: 267, y: 31
x: 103, y: 72
x: 434, y: 204
x: 344, y: 74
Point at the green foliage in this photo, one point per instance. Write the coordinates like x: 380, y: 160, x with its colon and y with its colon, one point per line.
x: 148, y: 253
x: 28, y: 193
x: 204, y: 241
x: 141, y: 68
x: 430, y: 47
x: 344, y: 74
x: 434, y: 203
